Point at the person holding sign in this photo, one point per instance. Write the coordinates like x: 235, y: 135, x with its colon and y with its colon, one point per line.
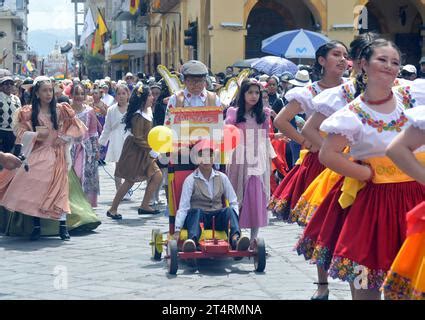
x: 195, y: 93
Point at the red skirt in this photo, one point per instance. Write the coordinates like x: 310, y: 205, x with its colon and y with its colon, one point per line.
x: 374, y: 231
x: 310, y: 169
x: 283, y: 190
x: 321, y: 233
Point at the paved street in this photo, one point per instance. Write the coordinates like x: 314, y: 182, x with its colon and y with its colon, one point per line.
x: 114, y: 262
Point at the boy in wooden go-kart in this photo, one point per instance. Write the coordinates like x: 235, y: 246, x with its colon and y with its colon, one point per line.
x: 202, y: 199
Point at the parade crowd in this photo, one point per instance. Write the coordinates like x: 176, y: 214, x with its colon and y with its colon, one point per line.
x: 340, y: 149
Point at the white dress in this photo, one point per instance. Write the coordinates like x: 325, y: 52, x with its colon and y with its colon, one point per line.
x: 113, y: 131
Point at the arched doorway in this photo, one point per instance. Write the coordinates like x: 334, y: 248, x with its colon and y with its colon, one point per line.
x: 400, y: 22
x: 269, y: 17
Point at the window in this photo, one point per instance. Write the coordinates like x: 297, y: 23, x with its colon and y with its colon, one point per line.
x: 20, y: 4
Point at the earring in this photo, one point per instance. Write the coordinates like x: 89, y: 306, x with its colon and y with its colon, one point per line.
x: 322, y: 71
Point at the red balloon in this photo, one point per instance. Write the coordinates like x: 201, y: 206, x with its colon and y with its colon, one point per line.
x: 231, y: 137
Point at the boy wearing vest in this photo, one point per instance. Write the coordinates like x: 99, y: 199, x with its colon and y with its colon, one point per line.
x: 202, y: 199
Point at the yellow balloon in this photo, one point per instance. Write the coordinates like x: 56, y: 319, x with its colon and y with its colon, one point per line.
x: 160, y: 139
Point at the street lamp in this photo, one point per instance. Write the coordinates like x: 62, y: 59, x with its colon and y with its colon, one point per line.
x: 64, y: 50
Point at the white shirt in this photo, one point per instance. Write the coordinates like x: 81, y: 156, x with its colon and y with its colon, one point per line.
x: 113, y: 131
x: 187, y: 191
x: 304, y: 96
x: 365, y: 140
x: 191, y: 100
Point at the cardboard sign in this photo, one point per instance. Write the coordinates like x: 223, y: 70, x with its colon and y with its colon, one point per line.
x: 191, y: 124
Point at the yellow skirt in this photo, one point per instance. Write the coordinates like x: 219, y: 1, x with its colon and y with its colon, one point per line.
x: 406, y: 279
x: 314, y: 196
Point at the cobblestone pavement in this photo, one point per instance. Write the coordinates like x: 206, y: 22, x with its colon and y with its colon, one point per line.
x: 114, y: 262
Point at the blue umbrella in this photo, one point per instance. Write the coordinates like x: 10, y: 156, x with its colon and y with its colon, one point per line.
x: 294, y: 44
x: 273, y: 65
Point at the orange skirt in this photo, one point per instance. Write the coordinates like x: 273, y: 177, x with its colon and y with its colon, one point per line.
x: 406, y: 279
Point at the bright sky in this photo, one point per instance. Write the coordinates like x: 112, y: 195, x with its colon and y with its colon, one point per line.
x: 50, y: 14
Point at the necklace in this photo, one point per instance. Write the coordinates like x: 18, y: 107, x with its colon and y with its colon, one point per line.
x: 377, y: 102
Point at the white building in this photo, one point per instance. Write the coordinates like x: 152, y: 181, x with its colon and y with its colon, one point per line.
x: 14, y: 37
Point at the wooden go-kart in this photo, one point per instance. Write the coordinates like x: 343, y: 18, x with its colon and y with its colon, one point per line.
x: 212, y: 244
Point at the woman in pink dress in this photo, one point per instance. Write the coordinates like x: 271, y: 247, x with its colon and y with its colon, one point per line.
x: 42, y: 192
x: 249, y: 171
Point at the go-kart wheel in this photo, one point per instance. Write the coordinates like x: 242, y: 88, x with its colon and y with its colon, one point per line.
x: 260, y: 255
x: 172, y: 251
x: 156, y: 244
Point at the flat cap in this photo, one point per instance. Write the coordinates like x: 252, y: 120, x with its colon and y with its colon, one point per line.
x: 194, y: 68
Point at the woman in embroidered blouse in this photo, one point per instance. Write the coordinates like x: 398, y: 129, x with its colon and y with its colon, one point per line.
x: 137, y: 161
x: 114, y: 128
x: 249, y: 170
x: 308, y: 207
x: 406, y: 279
x: 85, y: 153
x: 42, y: 192
x: 375, y: 226
x: 331, y: 63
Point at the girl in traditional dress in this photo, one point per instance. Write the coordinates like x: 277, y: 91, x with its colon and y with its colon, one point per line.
x: 42, y: 192
x: 114, y: 128
x: 311, y: 245
x: 249, y: 170
x: 406, y: 279
x: 331, y: 63
x: 101, y: 109
x: 138, y: 161
x: 375, y: 194
x: 85, y: 153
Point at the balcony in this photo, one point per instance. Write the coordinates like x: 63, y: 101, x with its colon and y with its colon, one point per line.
x: 163, y: 5
x: 129, y: 48
x: 123, y: 12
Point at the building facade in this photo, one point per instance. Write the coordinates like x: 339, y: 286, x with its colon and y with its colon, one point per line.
x: 14, y: 37
x: 228, y: 31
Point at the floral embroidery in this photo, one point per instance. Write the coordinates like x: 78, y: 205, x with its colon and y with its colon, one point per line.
x: 395, y: 125
x: 304, y: 210
x: 348, y: 270
x: 305, y: 247
x: 380, y: 125
x: 314, y: 90
x: 408, y: 101
x: 397, y: 287
x: 347, y: 93
x: 321, y: 256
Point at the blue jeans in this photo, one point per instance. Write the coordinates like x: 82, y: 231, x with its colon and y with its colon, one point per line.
x: 295, y: 153
x: 196, y: 216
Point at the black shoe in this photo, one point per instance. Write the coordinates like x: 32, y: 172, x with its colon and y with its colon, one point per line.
x: 143, y: 211
x: 63, y: 233
x: 114, y: 216
x: 323, y: 297
x: 36, y: 233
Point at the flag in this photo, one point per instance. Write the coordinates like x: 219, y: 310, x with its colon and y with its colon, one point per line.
x: 134, y: 6
x: 89, y: 26
x: 29, y: 67
x: 101, y: 29
x: 101, y: 25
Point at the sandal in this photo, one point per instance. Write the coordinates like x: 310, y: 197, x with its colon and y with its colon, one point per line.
x: 323, y: 297
x: 114, y: 216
